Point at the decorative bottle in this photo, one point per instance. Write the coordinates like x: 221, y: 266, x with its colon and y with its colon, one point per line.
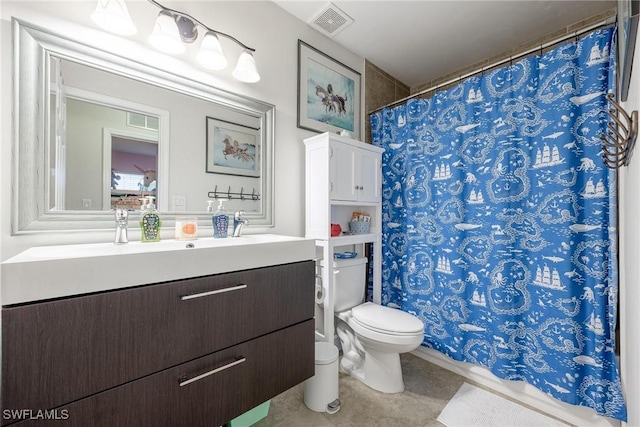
x: 150, y: 223
x: 220, y: 221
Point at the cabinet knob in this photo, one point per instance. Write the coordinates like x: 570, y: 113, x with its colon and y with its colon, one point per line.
x: 357, y: 188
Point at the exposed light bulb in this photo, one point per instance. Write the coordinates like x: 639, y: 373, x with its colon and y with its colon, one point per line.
x: 246, y: 70
x: 210, y: 54
x: 165, y: 36
x: 113, y: 16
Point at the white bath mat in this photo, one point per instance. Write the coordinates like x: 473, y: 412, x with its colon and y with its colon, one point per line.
x: 474, y: 407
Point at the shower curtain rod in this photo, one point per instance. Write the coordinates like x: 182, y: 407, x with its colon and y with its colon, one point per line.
x: 607, y: 22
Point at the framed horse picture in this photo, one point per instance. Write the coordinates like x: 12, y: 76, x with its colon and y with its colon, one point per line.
x: 232, y: 149
x: 328, y: 93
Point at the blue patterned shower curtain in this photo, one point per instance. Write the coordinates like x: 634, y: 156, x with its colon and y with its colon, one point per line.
x: 499, y: 221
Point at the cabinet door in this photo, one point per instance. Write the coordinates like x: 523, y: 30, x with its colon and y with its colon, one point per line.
x: 204, y: 392
x: 370, y: 175
x: 344, y: 185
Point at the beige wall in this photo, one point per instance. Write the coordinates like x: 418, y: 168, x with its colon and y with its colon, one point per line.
x: 381, y: 88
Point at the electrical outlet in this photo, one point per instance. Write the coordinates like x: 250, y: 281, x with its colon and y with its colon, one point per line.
x: 86, y: 203
x: 179, y: 203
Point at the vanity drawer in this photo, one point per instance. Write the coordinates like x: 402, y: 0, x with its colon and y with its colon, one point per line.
x: 59, y: 351
x: 255, y: 372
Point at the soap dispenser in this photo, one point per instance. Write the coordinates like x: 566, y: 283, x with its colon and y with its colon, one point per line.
x: 150, y: 222
x: 143, y: 204
x: 220, y: 221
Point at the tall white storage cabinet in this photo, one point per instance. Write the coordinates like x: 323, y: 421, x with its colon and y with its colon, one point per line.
x: 342, y: 176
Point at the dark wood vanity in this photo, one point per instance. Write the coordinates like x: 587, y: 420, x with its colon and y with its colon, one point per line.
x: 192, y: 352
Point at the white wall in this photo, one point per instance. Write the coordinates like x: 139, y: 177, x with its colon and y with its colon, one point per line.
x: 629, y: 231
x: 262, y: 25
x: 84, y: 174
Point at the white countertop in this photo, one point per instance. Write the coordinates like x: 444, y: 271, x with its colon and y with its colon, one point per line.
x: 46, y: 272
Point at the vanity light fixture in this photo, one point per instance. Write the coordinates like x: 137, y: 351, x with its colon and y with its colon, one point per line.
x: 165, y: 36
x: 113, y: 16
x: 245, y: 70
x: 173, y: 29
x: 210, y: 54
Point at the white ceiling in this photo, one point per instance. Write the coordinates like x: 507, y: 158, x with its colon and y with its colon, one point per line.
x: 418, y: 41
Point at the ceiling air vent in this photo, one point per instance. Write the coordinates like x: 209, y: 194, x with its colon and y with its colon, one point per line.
x: 331, y: 20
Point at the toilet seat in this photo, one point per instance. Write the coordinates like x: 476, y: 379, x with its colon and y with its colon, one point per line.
x: 386, y: 320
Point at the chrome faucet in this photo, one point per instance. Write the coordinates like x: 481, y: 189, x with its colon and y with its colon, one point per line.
x: 122, y: 220
x: 238, y: 222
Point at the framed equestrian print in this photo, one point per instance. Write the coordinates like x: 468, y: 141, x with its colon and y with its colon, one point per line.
x: 232, y: 149
x: 328, y: 93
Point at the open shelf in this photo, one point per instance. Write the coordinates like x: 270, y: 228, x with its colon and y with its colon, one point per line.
x: 348, y: 239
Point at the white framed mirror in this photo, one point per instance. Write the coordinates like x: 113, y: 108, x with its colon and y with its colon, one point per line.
x: 95, y: 130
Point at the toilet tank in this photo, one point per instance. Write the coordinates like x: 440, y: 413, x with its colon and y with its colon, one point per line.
x: 350, y: 282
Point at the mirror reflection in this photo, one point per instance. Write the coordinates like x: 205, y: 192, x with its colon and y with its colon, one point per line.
x: 116, y: 130
x: 105, y: 149
x: 126, y: 168
x: 129, y: 181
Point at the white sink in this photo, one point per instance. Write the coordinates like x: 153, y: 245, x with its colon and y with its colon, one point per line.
x: 39, y: 253
x: 46, y: 272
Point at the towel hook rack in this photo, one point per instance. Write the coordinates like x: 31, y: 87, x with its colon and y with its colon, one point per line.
x: 231, y: 195
x: 620, y: 137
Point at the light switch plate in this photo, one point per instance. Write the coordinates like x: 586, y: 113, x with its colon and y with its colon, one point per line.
x: 179, y: 203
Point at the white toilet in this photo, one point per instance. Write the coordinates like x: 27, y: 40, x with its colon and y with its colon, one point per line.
x: 372, y: 336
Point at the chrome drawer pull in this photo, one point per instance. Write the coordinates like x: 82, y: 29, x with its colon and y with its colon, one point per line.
x: 219, y: 291
x: 215, y: 371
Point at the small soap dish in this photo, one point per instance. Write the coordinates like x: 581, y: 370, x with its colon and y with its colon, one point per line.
x: 345, y: 255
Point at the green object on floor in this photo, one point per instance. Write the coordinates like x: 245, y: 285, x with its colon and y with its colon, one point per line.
x: 250, y: 417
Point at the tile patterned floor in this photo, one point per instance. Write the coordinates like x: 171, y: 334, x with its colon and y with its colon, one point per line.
x: 428, y: 388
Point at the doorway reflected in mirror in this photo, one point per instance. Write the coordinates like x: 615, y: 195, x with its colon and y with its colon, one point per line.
x: 129, y: 149
x: 133, y: 172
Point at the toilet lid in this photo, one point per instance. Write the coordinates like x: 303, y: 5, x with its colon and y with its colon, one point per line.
x: 386, y: 319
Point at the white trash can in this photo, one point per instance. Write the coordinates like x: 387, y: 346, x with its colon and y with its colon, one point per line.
x: 321, y: 390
